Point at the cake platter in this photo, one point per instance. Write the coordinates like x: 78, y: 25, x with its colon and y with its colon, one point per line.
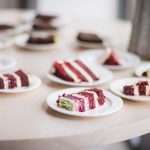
x: 6, y: 62
x: 21, y: 41
x: 96, y: 56
x: 104, y: 75
x: 35, y: 83
x: 117, y: 88
x: 141, y: 69
x: 112, y: 104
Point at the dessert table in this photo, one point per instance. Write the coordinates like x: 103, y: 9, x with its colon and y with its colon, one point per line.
x: 26, y: 121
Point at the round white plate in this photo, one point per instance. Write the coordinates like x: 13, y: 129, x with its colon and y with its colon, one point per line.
x: 117, y: 88
x: 142, y: 68
x: 112, y: 104
x: 36, y: 82
x: 7, y: 62
x: 21, y: 41
x: 95, y: 56
x: 104, y: 74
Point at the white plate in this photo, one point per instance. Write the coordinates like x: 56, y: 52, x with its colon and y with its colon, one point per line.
x: 21, y: 41
x: 95, y: 55
x: 36, y: 82
x: 142, y: 68
x: 112, y: 104
x: 7, y: 62
x: 117, y: 88
x: 104, y: 74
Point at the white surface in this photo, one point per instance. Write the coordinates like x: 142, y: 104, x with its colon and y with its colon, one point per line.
x: 6, y: 62
x: 142, y: 68
x: 104, y: 75
x: 21, y: 41
x: 112, y: 104
x: 35, y: 83
x: 95, y: 56
x: 117, y: 88
x: 5, y: 43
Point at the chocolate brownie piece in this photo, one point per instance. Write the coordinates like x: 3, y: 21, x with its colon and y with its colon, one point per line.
x: 89, y: 37
x: 41, y: 40
x: 1, y: 83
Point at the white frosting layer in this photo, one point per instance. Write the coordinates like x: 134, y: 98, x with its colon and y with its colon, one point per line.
x: 82, y: 71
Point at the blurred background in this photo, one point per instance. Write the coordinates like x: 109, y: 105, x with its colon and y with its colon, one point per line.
x: 103, y: 10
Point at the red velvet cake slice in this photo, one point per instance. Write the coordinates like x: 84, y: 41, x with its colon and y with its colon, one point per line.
x: 74, y: 71
x: 111, y: 58
x: 15, y: 79
x: 81, y: 101
x: 140, y: 88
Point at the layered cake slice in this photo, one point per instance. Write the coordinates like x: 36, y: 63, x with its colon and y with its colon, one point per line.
x: 110, y: 58
x: 89, y: 38
x: 73, y: 71
x: 42, y: 25
x: 82, y: 101
x: 38, y: 39
x: 45, y: 17
x: 14, y: 79
x: 140, y: 88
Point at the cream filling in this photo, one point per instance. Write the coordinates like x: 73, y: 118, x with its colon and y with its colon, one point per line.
x: 75, y: 105
x: 148, y: 90
x: 95, y: 97
x: 82, y: 71
x: 71, y: 73
x: 6, y: 81
x: 18, y: 81
x: 136, y: 90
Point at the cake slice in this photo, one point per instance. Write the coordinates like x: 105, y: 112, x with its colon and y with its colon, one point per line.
x: 110, y: 58
x: 89, y: 38
x: 140, y: 88
x: 36, y: 39
x: 45, y: 17
x: 74, y: 71
x: 82, y: 101
x: 14, y: 79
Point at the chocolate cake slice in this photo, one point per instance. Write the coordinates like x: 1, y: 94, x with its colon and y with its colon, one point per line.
x: 50, y: 39
x: 74, y: 71
x: 81, y: 101
x: 89, y: 38
x: 42, y: 26
x: 45, y: 18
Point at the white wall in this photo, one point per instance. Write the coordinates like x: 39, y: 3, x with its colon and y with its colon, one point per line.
x: 103, y: 9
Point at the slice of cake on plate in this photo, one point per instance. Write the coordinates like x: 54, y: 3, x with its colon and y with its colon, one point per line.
x: 74, y: 71
x: 89, y: 38
x: 15, y: 79
x: 110, y: 58
x: 82, y: 101
x: 140, y: 88
x: 41, y: 39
